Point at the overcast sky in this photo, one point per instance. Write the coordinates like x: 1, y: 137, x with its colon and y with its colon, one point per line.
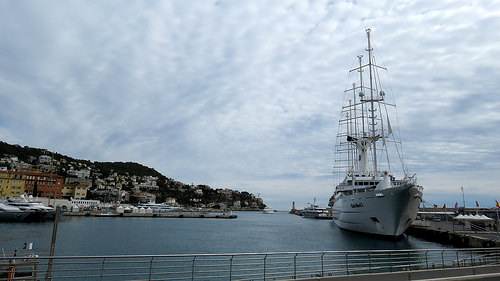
x: 247, y: 94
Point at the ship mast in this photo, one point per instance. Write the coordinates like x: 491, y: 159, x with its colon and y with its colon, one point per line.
x: 372, y: 103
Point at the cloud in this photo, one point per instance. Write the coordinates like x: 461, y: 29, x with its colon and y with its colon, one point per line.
x: 246, y: 94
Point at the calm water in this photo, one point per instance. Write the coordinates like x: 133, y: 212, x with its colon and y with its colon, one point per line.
x: 250, y: 232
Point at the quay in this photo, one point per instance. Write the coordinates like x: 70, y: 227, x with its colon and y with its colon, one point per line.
x: 154, y: 215
x: 450, y: 233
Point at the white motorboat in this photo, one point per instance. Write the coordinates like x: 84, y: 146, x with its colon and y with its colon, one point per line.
x: 158, y: 207
x: 314, y: 211
x: 37, y: 210
x: 12, y: 213
x: 369, y: 197
x: 268, y: 210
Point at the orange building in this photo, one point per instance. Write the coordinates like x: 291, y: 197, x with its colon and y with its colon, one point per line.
x: 46, y: 185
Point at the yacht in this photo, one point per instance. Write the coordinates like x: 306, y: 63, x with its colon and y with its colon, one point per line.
x: 158, y: 207
x: 12, y: 213
x: 314, y: 211
x: 375, y: 193
x: 37, y: 211
x: 268, y: 210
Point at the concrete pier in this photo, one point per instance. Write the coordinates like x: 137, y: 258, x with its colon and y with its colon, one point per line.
x: 446, y: 232
x: 154, y: 215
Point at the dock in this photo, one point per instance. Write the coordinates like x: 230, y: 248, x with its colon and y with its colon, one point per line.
x: 154, y: 215
x: 451, y: 233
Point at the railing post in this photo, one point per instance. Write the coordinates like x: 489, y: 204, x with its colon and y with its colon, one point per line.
x: 409, y: 262
x: 390, y: 261
x: 458, y: 261
x: 231, y: 268
x: 322, y: 266
x: 265, y: 258
x: 150, y: 268
x: 347, y: 262
x: 442, y: 258
x: 471, y: 259
x: 102, y: 267
x: 369, y: 263
x: 426, y: 260
x: 295, y: 267
x: 192, y: 269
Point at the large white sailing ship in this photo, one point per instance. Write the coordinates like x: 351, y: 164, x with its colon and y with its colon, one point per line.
x: 369, y: 197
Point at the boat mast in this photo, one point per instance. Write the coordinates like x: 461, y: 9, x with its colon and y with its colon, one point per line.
x: 372, y: 103
x: 361, y: 94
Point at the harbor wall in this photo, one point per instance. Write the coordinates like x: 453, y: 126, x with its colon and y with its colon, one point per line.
x: 457, y: 239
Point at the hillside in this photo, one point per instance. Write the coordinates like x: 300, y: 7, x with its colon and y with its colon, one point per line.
x: 118, y: 178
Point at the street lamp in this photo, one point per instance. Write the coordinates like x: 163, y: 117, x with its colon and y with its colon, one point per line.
x: 463, y: 197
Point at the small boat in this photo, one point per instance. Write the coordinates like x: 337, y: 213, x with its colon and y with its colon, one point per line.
x: 12, y: 213
x: 314, y: 211
x: 268, y: 210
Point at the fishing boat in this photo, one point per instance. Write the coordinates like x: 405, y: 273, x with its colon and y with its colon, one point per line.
x: 375, y: 193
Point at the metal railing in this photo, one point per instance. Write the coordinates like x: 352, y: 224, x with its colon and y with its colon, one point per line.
x: 247, y: 266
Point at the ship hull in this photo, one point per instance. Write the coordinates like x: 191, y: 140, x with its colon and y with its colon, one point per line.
x: 387, y: 212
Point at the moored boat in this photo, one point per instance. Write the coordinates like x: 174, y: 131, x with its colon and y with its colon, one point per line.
x: 12, y: 213
x: 158, y: 207
x: 314, y: 211
x: 37, y: 211
x: 369, y: 197
x: 268, y: 210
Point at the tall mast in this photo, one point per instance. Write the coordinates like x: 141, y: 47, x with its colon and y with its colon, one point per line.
x: 372, y: 101
x: 361, y: 94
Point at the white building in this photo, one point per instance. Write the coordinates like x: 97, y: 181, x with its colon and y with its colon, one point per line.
x: 44, y: 159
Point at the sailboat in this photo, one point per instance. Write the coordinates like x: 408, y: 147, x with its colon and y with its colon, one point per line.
x: 375, y: 194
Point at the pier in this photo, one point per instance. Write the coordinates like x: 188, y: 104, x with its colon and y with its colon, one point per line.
x: 450, y: 233
x: 155, y: 215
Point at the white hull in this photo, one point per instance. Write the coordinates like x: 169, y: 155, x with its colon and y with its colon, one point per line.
x: 387, y: 212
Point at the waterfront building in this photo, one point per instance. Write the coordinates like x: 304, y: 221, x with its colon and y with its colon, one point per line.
x: 75, y: 191
x: 12, y: 183
x: 47, y: 185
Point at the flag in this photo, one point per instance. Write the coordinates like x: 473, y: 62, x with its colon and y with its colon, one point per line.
x: 435, y: 206
x: 477, y: 204
x: 28, y: 246
x: 498, y: 204
x: 456, y: 205
x: 444, y: 206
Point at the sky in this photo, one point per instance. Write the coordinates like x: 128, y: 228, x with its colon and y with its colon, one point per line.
x: 247, y: 94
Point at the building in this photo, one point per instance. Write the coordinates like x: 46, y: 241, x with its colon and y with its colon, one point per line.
x: 44, y: 185
x: 74, y: 191
x: 12, y: 184
x: 145, y: 197
x: 44, y: 159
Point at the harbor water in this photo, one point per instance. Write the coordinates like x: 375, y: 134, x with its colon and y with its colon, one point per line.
x: 251, y: 232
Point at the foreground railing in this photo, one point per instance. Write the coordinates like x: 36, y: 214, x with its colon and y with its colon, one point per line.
x: 250, y: 266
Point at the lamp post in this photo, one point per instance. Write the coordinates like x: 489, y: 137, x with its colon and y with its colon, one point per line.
x: 463, y: 197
